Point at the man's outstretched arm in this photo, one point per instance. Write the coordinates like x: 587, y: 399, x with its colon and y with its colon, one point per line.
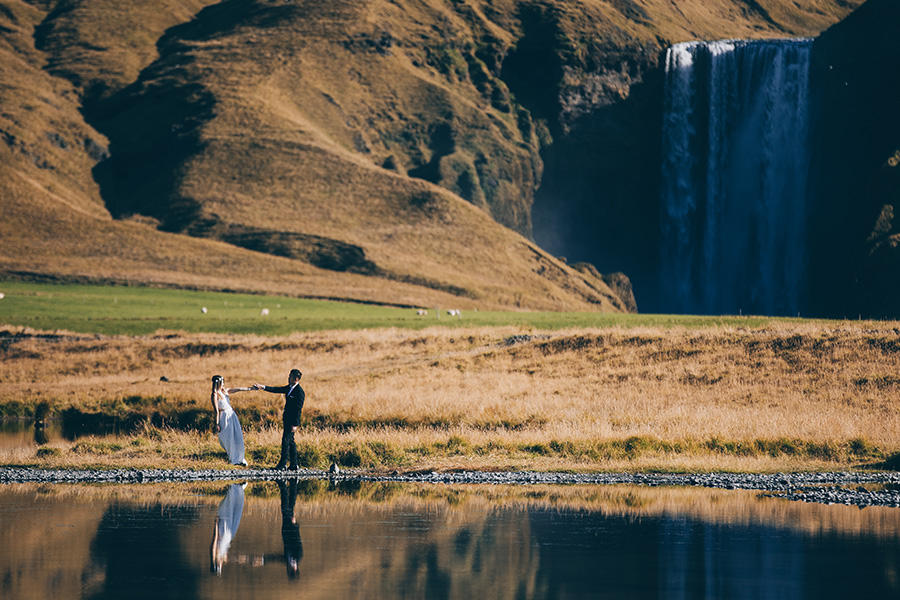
x: 279, y: 389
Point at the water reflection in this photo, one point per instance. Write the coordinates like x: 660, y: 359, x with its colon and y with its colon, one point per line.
x: 290, y: 530
x: 138, y: 552
x: 28, y: 434
x: 40, y: 434
x: 18, y: 434
x: 228, y: 519
x: 378, y: 540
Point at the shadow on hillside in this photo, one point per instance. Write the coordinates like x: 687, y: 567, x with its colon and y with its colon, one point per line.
x: 153, y: 125
x: 441, y: 144
x: 319, y: 251
x: 226, y: 17
x: 533, y: 70
x: 154, y: 128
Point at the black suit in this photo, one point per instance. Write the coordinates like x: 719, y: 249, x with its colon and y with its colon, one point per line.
x: 293, y: 404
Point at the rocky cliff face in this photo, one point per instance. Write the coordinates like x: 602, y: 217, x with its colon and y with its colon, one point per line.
x: 855, y: 254
x: 599, y: 196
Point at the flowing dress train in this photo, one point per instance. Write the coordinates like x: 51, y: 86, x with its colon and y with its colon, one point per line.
x: 230, y: 435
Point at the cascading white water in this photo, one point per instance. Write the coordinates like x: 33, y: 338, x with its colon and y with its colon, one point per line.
x: 735, y: 166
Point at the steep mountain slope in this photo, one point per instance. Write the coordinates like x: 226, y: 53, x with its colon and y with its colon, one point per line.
x: 170, y: 153
x: 381, y: 151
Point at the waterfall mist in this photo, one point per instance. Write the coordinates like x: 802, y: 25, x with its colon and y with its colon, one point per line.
x: 735, y: 159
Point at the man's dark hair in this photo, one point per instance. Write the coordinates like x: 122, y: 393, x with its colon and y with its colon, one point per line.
x: 295, y: 373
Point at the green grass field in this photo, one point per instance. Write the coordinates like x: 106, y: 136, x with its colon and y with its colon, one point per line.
x: 140, y: 311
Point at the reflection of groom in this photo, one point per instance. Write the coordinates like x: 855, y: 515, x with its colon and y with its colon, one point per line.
x: 290, y: 530
x: 293, y: 404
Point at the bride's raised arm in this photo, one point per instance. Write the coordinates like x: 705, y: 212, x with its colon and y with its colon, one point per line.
x: 240, y: 389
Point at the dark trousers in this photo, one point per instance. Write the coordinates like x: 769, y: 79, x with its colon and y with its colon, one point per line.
x: 288, y: 448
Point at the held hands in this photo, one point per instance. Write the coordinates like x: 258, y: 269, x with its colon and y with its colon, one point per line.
x: 257, y: 386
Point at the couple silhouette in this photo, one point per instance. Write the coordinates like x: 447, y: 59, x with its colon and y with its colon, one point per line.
x: 228, y: 519
x: 228, y: 426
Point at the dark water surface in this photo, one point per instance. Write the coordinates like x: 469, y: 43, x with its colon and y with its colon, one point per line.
x: 17, y: 434
x: 24, y: 434
x: 315, y: 539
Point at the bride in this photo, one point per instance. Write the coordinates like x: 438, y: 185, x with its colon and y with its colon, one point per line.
x: 227, y: 424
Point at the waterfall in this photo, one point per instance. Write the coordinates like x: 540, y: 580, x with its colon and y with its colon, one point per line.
x: 734, y: 173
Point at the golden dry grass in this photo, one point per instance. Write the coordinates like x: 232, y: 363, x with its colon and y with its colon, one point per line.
x: 785, y: 397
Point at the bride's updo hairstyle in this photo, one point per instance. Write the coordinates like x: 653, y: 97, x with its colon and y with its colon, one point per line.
x: 217, y: 382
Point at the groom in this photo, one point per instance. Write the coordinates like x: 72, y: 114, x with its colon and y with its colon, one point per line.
x: 293, y: 404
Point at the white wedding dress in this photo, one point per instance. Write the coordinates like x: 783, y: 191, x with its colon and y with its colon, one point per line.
x: 230, y: 435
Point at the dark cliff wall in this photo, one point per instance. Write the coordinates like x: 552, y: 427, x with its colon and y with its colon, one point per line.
x: 599, y: 196
x: 855, y: 184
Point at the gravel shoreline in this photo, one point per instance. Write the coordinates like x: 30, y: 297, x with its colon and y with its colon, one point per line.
x: 823, y: 488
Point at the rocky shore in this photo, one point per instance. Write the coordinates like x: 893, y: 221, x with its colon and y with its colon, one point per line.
x: 859, y: 489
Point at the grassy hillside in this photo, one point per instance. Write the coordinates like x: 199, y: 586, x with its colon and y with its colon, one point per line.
x: 385, y: 151
x: 109, y: 310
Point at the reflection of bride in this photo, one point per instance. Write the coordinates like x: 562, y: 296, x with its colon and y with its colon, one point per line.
x: 230, y: 435
x: 228, y: 518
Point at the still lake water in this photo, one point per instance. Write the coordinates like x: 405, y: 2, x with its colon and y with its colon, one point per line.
x: 23, y: 434
x: 315, y: 539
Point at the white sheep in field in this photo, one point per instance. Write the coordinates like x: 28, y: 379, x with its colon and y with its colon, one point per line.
x: 2, y: 295
x: 203, y: 310
x: 264, y: 312
x: 454, y: 312
x: 422, y: 312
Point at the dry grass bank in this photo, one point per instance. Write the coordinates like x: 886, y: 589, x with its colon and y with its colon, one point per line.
x: 788, y: 396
